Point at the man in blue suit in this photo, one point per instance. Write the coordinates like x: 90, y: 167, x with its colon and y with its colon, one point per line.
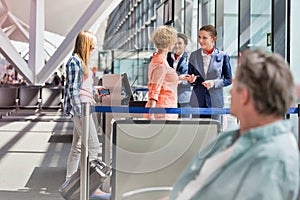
x: 210, y: 71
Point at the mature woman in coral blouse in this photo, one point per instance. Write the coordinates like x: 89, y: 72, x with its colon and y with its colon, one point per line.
x: 163, y: 79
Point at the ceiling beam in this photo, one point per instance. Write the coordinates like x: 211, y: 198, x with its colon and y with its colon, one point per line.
x: 95, y: 13
x: 66, y: 46
x: 15, y: 20
x: 11, y: 54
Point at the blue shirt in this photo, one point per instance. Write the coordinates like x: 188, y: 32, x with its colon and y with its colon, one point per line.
x: 264, y: 165
x: 74, y: 75
x: 184, y: 87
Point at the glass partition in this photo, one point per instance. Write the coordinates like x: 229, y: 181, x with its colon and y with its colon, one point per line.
x: 295, y: 44
x: 260, y: 23
x: 255, y: 24
x: 294, y: 55
x: 230, y: 45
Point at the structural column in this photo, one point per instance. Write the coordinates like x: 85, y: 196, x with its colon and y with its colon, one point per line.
x: 36, y: 37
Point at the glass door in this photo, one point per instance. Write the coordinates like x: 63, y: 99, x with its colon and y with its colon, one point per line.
x: 255, y: 24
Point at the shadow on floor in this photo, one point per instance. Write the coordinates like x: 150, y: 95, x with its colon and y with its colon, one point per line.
x: 43, y: 184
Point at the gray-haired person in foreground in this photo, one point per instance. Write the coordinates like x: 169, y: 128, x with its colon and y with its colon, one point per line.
x: 260, y: 160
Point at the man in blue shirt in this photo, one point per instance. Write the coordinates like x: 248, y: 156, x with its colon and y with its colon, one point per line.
x: 261, y: 159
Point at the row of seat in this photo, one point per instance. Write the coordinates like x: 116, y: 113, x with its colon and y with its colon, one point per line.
x: 34, y: 97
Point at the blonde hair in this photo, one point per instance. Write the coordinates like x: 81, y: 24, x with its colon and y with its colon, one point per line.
x: 84, y: 42
x: 164, y: 36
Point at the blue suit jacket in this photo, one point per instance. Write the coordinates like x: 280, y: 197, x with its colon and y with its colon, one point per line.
x: 184, y: 88
x: 219, y: 70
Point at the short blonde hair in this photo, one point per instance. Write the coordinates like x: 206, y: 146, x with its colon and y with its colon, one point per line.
x: 164, y: 36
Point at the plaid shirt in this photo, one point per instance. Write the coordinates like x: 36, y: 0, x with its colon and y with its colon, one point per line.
x: 74, y: 75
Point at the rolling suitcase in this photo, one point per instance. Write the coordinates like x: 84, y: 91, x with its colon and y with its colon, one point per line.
x: 99, y: 171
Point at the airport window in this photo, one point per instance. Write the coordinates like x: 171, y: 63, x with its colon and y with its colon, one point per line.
x: 191, y: 25
x: 230, y: 38
x: 260, y: 23
x: 294, y: 45
x: 179, y: 13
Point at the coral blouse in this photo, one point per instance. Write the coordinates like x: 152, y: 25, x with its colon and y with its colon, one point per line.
x: 162, y: 86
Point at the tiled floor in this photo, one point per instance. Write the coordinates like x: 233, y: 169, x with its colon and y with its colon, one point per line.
x: 33, y: 153
x: 32, y: 163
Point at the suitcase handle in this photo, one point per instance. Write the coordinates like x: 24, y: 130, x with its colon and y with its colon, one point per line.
x: 98, y: 164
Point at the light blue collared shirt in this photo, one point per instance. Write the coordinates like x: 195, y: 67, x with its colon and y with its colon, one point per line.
x: 264, y: 165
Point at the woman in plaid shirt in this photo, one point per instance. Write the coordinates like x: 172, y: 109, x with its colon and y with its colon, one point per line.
x: 79, y: 89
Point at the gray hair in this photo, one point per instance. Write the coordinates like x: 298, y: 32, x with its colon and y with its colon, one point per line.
x: 269, y: 81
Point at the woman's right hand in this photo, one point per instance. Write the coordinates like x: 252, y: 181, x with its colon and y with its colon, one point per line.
x: 152, y: 105
x: 190, y: 78
x: 98, y: 88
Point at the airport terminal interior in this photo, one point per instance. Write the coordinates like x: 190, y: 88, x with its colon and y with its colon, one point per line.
x: 37, y: 38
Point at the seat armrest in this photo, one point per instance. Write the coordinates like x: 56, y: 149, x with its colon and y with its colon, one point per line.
x: 17, y: 103
x: 40, y: 101
x: 144, y: 190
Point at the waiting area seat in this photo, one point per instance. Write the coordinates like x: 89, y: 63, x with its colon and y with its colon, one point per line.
x: 51, y: 98
x: 31, y: 97
x: 8, y: 97
x: 146, y: 151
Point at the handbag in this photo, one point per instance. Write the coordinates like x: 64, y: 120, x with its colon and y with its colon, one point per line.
x: 99, y: 171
